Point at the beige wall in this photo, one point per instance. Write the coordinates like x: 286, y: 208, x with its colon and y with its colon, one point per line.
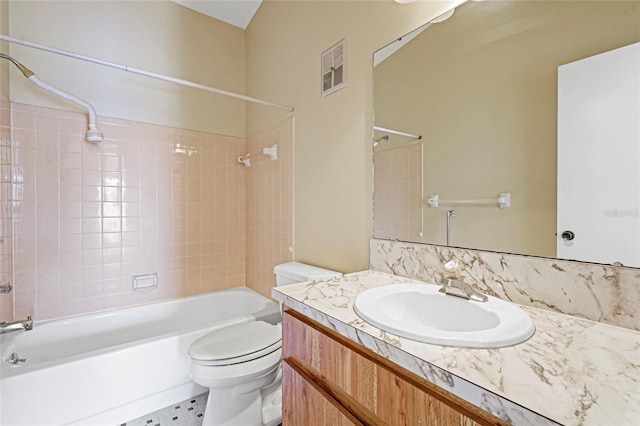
x: 157, y: 36
x: 332, y: 166
x: 4, y: 48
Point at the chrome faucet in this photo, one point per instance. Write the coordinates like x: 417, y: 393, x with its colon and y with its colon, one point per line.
x: 15, y: 359
x: 453, y: 284
x: 8, y: 327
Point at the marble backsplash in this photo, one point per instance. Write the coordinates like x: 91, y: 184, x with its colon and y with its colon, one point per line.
x: 603, y: 293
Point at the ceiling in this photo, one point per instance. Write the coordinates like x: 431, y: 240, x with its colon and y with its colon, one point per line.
x: 234, y: 12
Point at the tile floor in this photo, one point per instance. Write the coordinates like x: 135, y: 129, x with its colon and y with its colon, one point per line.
x: 185, y: 413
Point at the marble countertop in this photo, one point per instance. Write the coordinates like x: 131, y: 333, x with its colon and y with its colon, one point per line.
x: 571, y: 372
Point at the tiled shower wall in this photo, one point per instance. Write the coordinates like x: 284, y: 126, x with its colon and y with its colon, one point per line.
x: 6, y: 299
x: 398, y: 197
x: 147, y: 199
x: 269, y: 205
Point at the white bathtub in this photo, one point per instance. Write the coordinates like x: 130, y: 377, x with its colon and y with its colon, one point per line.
x: 110, y: 367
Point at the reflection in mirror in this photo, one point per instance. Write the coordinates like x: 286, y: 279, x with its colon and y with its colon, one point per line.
x: 536, y: 99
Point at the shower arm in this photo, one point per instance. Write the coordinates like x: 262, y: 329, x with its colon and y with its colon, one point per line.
x: 93, y: 134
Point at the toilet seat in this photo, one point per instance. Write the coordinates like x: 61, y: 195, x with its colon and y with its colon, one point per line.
x: 236, y: 344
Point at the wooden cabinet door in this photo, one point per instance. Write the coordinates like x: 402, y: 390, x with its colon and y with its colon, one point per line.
x: 381, y: 391
x: 308, y: 404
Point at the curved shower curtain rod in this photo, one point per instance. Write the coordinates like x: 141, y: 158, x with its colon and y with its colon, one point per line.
x: 140, y: 72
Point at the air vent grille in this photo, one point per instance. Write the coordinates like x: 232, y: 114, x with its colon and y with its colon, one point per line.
x: 333, y: 68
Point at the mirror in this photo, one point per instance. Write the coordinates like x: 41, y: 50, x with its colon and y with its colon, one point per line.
x: 476, y: 107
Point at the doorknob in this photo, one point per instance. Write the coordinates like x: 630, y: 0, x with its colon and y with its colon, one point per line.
x: 568, y: 235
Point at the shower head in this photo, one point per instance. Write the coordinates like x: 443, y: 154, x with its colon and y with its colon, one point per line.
x: 93, y: 135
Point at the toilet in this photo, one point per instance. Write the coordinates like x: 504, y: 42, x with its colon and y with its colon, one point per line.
x: 241, y: 364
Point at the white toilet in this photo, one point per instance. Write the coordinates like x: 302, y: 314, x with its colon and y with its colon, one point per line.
x: 240, y: 364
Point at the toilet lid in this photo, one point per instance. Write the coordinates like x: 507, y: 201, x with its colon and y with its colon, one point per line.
x: 236, y: 341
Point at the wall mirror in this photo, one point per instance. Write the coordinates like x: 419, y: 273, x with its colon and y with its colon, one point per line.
x: 512, y: 126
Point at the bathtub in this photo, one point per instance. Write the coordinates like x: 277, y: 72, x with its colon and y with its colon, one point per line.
x: 109, y: 367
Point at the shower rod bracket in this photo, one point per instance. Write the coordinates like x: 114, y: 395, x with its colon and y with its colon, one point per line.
x: 245, y: 160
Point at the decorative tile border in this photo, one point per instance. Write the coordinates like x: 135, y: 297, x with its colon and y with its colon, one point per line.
x: 602, y: 293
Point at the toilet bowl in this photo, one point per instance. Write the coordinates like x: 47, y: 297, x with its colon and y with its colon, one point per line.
x: 236, y: 363
x: 241, y: 364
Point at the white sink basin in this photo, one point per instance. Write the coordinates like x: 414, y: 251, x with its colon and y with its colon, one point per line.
x: 420, y: 312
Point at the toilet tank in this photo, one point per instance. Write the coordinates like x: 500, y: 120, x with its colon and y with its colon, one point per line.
x: 296, y: 272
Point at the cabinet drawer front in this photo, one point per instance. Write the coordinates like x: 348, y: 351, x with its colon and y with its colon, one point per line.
x: 394, y: 395
x: 309, y: 405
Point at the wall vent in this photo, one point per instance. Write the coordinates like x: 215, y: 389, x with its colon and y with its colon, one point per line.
x: 334, y: 75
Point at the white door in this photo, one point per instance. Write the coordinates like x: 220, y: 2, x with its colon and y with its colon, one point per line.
x: 599, y: 158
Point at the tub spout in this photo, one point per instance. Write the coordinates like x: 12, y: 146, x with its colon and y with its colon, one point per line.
x: 8, y: 327
x: 15, y: 359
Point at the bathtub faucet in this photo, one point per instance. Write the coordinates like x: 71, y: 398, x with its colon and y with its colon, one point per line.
x: 8, y: 327
x: 15, y: 359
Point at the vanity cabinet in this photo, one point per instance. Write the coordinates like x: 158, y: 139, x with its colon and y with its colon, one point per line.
x: 329, y: 380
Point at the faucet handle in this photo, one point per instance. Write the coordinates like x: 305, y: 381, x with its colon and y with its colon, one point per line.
x: 452, y: 269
